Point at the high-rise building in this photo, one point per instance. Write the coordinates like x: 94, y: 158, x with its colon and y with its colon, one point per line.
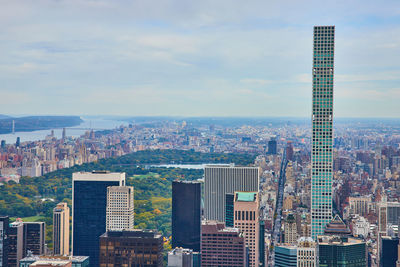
x: 229, y: 200
x: 388, y: 213
x: 246, y: 218
x: 196, y: 259
x: 4, y: 226
x: 306, y: 252
x: 322, y: 118
x: 131, y: 248
x: 285, y: 256
x: 221, y: 180
x: 389, y: 251
x: 186, y: 214
x: 262, y: 243
x: 34, y: 237
x: 15, y: 244
x: 359, y: 205
x: 61, y: 229
x: 337, y: 227
x: 120, y: 208
x: 341, y: 251
x: 180, y: 257
x: 222, y: 246
x: 89, y: 202
x: 289, y: 151
x: 272, y: 147
x: 290, y: 230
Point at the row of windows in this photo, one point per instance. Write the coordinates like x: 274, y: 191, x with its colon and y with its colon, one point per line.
x: 245, y: 215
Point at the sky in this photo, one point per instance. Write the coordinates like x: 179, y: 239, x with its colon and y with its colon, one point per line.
x: 194, y: 58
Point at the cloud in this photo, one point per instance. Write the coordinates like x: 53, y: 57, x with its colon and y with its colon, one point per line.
x: 256, y: 81
x: 204, y: 57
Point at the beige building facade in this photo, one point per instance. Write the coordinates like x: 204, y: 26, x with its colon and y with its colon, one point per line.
x: 246, y: 218
x: 61, y: 229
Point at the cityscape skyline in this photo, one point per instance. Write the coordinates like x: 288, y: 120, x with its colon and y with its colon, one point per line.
x: 206, y: 156
x: 178, y: 58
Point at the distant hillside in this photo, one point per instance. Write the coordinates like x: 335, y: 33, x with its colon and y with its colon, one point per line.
x: 34, y: 123
x: 2, y: 116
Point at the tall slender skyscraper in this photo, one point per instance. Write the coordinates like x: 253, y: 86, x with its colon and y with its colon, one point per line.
x: 89, y: 201
x: 61, y: 229
x: 322, y: 117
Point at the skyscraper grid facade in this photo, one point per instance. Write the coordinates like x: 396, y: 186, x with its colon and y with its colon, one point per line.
x: 120, y: 213
x: 61, y: 229
x: 322, y: 118
x: 221, y: 180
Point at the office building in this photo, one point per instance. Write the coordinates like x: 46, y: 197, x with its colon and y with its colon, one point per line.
x: 186, y: 214
x: 246, y: 218
x: 388, y: 213
x: 389, y: 251
x: 272, y: 147
x: 289, y: 151
x: 221, y: 180
x: 285, y: 256
x: 61, y: 229
x: 341, y: 251
x: 131, y: 248
x: 34, y: 237
x: 222, y: 246
x: 290, y: 230
x: 120, y: 208
x: 359, y: 205
x: 337, y: 227
x: 229, y: 200
x: 4, y: 231
x: 89, y: 201
x: 322, y: 118
x: 180, y: 257
x: 261, y: 242
x: 196, y: 259
x: 76, y: 261
x: 15, y: 244
x: 306, y: 252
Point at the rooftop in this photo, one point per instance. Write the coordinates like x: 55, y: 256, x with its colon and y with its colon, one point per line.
x: 246, y: 196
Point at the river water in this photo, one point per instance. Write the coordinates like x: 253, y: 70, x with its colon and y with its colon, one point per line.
x: 76, y: 131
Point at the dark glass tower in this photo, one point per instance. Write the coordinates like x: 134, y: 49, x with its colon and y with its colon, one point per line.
x: 272, y: 147
x: 4, y: 222
x: 229, y: 199
x: 131, y: 248
x: 186, y: 214
x: 34, y: 235
x: 389, y: 251
x: 89, y: 201
x: 341, y: 251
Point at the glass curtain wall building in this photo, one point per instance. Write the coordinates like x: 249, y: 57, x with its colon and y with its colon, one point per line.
x: 186, y: 214
x: 89, y: 201
x: 322, y: 118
